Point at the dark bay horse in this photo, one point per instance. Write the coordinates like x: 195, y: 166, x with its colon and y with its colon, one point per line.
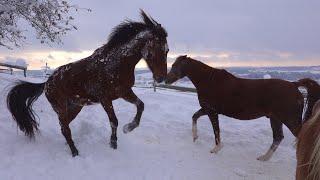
x: 106, y: 75
x: 308, y: 148
x: 220, y: 92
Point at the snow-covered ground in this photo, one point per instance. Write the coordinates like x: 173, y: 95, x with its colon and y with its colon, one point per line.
x: 161, y: 148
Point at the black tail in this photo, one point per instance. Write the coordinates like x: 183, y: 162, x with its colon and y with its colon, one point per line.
x: 19, y: 102
x: 313, y: 89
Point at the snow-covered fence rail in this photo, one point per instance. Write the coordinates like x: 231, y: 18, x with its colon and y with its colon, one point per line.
x: 187, y: 89
x: 15, y: 67
x: 179, y: 88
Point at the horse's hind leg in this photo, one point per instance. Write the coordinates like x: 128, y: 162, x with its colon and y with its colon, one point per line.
x: 195, y: 117
x: 132, y: 98
x: 277, y: 131
x: 215, y: 125
x: 66, y: 115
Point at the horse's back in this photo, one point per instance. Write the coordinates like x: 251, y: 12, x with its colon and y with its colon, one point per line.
x: 274, y: 90
x: 69, y: 82
x: 250, y: 98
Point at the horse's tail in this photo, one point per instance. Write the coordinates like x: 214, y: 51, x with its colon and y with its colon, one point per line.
x: 19, y: 102
x: 313, y: 89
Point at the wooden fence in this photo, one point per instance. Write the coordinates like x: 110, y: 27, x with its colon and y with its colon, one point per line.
x: 15, y: 67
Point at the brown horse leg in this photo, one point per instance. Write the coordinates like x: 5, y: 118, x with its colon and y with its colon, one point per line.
x: 66, y: 115
x: 277, y: 131
x: 108, y: 107
x: 195, y: 117
x: 215, y: 125
x: 132, y: 98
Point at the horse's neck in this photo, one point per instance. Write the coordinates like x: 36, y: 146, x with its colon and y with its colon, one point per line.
x: 128, y: 54
x: 117, y: 55
x: 198, y: 72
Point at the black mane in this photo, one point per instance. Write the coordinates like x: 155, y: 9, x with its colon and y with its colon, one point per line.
x: 128, y: 29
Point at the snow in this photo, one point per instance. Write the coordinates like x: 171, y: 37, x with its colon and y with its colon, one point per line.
x: 267, y: 76
x: 160, y: 148
x: 18, y: 62
x: 146, y: 80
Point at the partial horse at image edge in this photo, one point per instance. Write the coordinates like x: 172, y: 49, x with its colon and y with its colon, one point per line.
x: 308, y: 148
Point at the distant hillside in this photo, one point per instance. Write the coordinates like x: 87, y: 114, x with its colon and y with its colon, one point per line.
x: 287, y: 73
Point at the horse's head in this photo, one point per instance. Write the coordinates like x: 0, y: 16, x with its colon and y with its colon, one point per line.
x: 178, y: 70
x: 155, y: 49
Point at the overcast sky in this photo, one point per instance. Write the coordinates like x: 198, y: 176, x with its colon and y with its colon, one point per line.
x: 219, y: 33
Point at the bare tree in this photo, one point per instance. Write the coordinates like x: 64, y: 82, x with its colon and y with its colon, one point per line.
x: 50, y: 18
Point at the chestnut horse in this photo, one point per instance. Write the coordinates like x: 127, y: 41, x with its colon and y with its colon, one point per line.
x: 220, y: 92
x: 308, y: 148
x: 106, y: 75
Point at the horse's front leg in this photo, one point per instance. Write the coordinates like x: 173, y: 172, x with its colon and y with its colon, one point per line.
x: 195, y: 118
x: 132, y: 98
x: 215, y: 125
x: 108, y: 107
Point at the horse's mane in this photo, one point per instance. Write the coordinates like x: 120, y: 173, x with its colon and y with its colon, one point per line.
x: 315, y: 156
x: 204, y: 68
x: 128, y: 29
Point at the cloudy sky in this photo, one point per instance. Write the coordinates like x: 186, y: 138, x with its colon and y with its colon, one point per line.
x: 219, y: 33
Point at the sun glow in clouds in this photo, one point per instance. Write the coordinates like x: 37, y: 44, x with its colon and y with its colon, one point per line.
x: 54, y: 58
x: 223, y: 56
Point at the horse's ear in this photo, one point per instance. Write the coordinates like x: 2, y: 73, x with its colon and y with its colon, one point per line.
x: 155, y: 22
x: 145, y: 18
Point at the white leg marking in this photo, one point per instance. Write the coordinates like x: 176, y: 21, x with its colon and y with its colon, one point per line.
x: 267, y: 156
x: 217, y: 148
x: 194, y: 131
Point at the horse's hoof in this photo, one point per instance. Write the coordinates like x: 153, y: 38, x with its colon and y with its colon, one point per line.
x: 75, y: 153
x: 128, y: 128
x: 195, y: 138
x: 264, y: 158
x: 216, y: 149
x: 113, y: 145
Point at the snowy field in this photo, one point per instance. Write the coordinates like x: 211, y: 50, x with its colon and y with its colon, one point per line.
x: 161, y: 148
